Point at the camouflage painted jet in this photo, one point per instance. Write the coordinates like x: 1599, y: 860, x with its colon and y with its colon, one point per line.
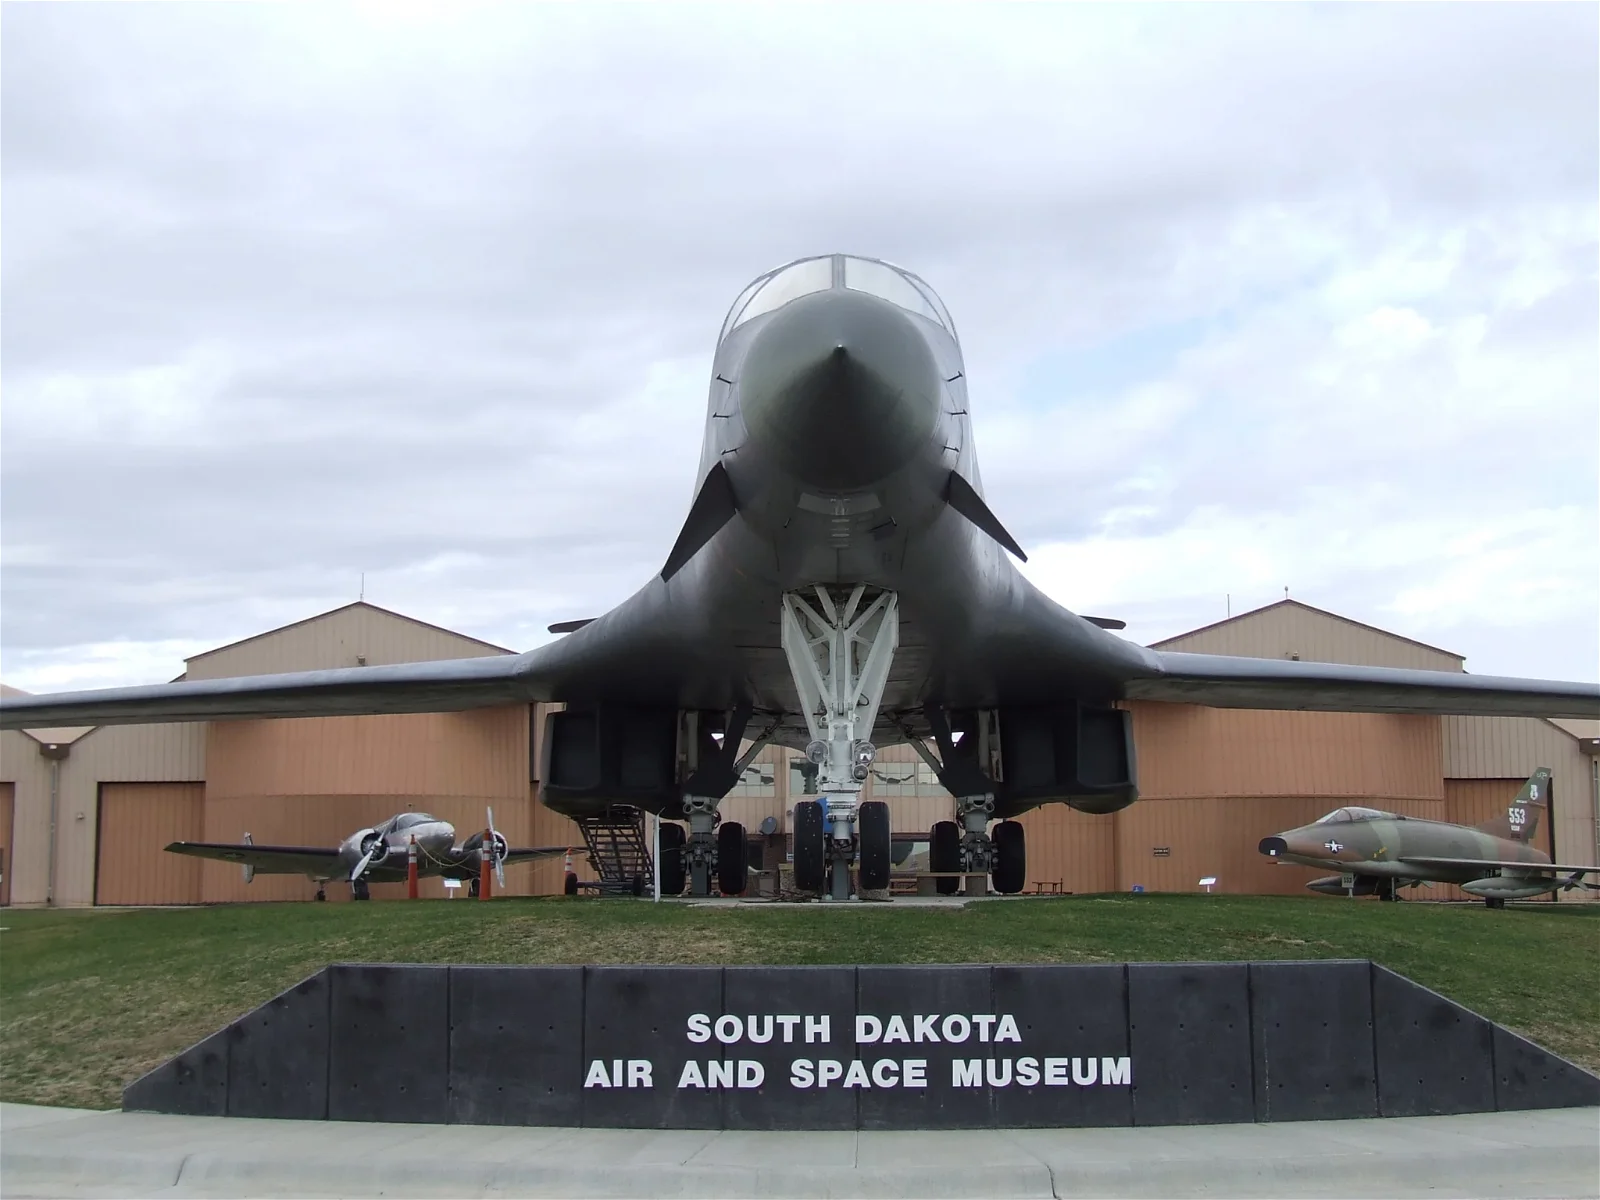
x: 1378, y: 853
x: 378, y: 854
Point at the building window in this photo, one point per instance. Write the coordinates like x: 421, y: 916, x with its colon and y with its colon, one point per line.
x: 759, y: 779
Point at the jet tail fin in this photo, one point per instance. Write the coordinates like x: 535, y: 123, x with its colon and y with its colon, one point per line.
x: 1521, y: 819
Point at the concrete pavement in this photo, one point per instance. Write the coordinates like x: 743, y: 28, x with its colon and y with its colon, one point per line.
x: 68, y: 1152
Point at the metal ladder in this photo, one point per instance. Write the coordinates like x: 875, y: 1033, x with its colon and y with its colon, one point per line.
x: 618, y: 850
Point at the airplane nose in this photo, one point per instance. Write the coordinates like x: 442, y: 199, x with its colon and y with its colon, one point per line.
x: 1273, y: 846
x: 841, y: 389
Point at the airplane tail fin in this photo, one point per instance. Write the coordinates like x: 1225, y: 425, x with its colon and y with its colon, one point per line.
x: 1521, y: 819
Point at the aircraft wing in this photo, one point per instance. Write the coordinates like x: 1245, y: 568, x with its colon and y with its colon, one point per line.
x: 315, y: 861
x: 443, y: 686
x: 1220, y: 681
x: 531, y: 853
x: 1420, y: 860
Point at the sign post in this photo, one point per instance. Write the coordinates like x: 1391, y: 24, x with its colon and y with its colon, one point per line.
x: 655, y: 858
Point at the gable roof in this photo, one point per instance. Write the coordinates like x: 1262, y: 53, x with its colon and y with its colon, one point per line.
x: 358, y: 604
x: 1321, y: 612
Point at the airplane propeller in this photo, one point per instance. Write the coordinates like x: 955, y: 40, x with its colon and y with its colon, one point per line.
x: 374, y: 847
x: 498, y: 848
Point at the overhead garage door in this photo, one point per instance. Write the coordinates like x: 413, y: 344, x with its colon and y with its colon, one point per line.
x: 8, y: 795
x: 137, y: 820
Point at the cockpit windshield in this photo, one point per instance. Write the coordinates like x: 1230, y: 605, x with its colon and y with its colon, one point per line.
x: 808, y: 275
x: 1355, y: 814
x: 409, y: 820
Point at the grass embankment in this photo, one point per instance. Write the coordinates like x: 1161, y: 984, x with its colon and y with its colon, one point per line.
x: 89, y: 1000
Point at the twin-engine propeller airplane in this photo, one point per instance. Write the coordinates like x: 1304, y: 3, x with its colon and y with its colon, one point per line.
x: 1378, y: 853
x: 379, y: 854
x: 839, y: 583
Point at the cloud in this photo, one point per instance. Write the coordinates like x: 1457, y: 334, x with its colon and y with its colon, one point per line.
x: 1248, y: 297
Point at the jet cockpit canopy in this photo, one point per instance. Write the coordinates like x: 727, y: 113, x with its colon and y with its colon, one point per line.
x: 824, y: 272
x: 1356, y: 814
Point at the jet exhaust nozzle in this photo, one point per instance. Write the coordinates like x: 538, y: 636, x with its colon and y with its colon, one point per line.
x: 840, y: 389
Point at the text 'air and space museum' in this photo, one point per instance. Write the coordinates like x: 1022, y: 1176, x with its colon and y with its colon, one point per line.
x: 85, y: 813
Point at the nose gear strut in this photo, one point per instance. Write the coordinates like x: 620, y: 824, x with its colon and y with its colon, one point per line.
x: 840, y: 644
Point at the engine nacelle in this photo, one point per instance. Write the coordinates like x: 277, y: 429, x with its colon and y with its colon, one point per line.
x: 1074, y: 754
x: 618, y: 754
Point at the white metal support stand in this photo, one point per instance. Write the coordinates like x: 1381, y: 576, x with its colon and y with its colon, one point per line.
x: 655, y: 857
x: 839, y: 654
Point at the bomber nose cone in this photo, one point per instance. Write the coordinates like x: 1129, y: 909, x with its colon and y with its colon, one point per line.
x: 841, y: 389
x: 1272, y: 846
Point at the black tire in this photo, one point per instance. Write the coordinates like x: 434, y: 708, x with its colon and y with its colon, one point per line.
x: 944, y: 854
x: 359, y: 890
x: 321, y: 895
x: 472, y: 887
x: 810, y: 849
x: 872, y: 825
x: 1494, y: 902
x: 674, y: 876
x: 733, y: 859
x: 569, y: 885
x: 1010, y: 858
x: 638, y: 887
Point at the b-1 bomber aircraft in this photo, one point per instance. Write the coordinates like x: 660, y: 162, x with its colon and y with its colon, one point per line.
x: 840, y: 582
x: 1378, y: 853
x: 379, y: 854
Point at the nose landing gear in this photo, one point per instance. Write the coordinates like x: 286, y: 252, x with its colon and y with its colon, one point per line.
x: 840, y: 645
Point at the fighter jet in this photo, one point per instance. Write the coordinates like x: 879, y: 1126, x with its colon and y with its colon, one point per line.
x: 378, y: 854
x: 840, y: 582
x: 1378, y: 853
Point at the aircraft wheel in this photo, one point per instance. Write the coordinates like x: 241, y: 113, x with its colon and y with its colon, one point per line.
x: 1494, y: 902
x: 673, y: 874
x: 810, y: 848
x: 1010, y: 858
x: 360, y: 891
x: 733, y: 859
x: 944, y: 854
x: 569, y: 885
x: 872, y: 825
x: 321, y: 895
x: 472, y: 887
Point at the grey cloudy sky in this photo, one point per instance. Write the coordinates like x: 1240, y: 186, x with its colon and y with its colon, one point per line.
x: 1251, y: 296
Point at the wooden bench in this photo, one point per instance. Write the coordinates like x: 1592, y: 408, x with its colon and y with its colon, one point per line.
x: 1047, y: 887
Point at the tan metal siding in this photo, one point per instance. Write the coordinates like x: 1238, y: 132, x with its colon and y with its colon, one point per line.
x: 137, y: 820
x: 7, y: 811
x: 1189, y: 750
x: 118, y: 753
x: 337, y: 639
x: 1282, y: 630
x: 1076, y: 849
x: 480, y: 752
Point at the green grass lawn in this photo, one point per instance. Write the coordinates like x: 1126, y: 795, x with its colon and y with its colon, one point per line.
x: 90, y: 999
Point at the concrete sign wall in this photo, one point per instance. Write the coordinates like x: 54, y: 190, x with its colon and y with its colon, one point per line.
x: 922, y: 1047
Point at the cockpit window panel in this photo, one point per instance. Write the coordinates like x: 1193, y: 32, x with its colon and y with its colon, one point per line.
x: 790, y: 283
x: 1353, y: 813
x: 806, y: 276
x: 885, y: 282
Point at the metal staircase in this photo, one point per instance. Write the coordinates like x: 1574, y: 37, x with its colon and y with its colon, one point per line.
x: 618, y: 849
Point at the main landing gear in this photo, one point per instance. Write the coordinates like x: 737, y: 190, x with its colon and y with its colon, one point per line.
x: 840, y: 643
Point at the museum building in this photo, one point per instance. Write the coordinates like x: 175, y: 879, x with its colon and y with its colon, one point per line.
x: 85, y: 812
